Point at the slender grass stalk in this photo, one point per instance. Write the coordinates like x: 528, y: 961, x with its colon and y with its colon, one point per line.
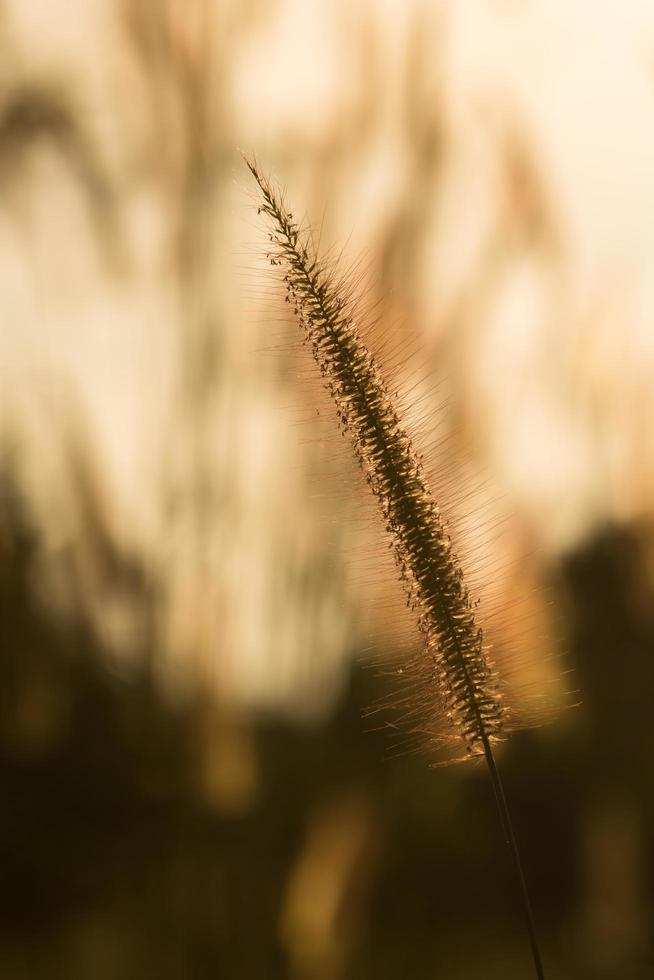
x: 460, y: 675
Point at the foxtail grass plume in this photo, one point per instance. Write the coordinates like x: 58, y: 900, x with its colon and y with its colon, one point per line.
x: 463, y: 680
x: 455, y: 661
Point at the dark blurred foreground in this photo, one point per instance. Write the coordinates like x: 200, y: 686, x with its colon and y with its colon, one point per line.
x: 124, y: 853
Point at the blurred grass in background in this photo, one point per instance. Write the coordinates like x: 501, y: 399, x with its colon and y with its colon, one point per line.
x: 189, y: 789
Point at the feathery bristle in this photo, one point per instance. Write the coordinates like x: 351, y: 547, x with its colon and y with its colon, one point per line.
x: 457, y: 666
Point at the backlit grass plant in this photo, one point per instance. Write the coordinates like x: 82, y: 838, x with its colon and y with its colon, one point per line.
x: 456, y: 677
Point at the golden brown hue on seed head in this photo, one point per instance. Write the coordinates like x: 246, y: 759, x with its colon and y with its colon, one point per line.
x: 457, y: 669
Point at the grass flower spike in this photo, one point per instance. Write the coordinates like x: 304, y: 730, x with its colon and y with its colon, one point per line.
x: 455, y: 665
x: 432, y: 577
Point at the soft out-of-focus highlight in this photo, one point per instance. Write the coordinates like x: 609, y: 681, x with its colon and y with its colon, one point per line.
x: 191, y: 589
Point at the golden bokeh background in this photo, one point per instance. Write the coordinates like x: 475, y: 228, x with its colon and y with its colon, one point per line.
x: 190, y: 587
